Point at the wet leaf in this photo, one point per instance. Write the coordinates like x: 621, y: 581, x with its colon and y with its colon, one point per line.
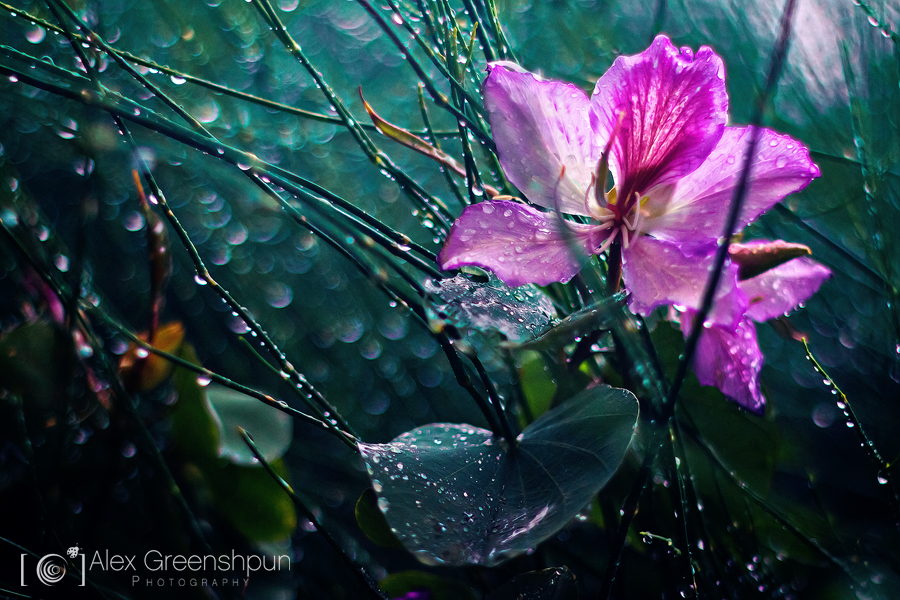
x: 600, y: 315
x: 547, y: 584
x: 406, y: 583
x: 271, y: 429
x: 518, y: 313
x: 455, y: 494
x: 246, y: 495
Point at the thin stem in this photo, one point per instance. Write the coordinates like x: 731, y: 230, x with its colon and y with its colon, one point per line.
x: 628, y: 511
x: 357, y: 569
x: 188, y: 78
x: 286, y: 179
x: 220, y: 379
x: 869, y: 189
x: 457, y: 86
x: 486, y: 46
x: 118, y: 391
x: 93, y: 38
x: 124, y: 397
x: 668, y: 408
x: 681, y: 495
x: 778, y: 56
x: 439, y: 98
x: 447, y: 175
x: 376, y: 156
x: 504, y: 46
x: 885, y: 475
x: 464, y: 381
x: 707, y: 448
x: 310, y: 395
x: 496, y: 402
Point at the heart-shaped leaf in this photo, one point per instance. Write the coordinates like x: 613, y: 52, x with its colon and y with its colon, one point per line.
x: 456, y: 494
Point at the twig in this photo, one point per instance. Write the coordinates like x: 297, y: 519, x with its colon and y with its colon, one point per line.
x: 358, y: 570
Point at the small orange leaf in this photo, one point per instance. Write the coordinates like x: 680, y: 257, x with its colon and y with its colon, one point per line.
x: 142, y: 372
x: 160, y: 257
x: 756, y: 259
x: 414, y: 142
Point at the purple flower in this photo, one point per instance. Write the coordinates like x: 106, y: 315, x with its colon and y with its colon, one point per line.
x: 657, y: 121
x: 730, y: 358
x: 661, y: 115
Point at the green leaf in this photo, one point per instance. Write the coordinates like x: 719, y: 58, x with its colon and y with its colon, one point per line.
x: 195, y: 427
x: 372, y: 522
x: 36, y: 361
x: 251, y: 500
x: 547, y: 584
x: 518, y: 313
x: 455, y: 494
x: 600, y: 315
x: 271, y: 429
x: 397, y: 584
x: 537, y: 384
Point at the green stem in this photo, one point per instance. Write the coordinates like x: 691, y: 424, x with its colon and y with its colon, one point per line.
x: 281, y: 405
x: 188, y: 78
x: 357, y: 569
x: 885, y: 474
x: 378, y: 158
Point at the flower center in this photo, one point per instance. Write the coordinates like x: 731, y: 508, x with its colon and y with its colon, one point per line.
x: 618, y: 220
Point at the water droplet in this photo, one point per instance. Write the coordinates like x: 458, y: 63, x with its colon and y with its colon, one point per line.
x: 62, y: 262
x: 35, y: 34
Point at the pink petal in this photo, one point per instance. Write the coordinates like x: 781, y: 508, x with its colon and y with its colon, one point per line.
x: 783, y: 288
x: 673, y: 107
x: 518, y: 243
x: 729, y: 360
x: 539, y: 127
x: 658, y: 273
x: 700, y: 202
